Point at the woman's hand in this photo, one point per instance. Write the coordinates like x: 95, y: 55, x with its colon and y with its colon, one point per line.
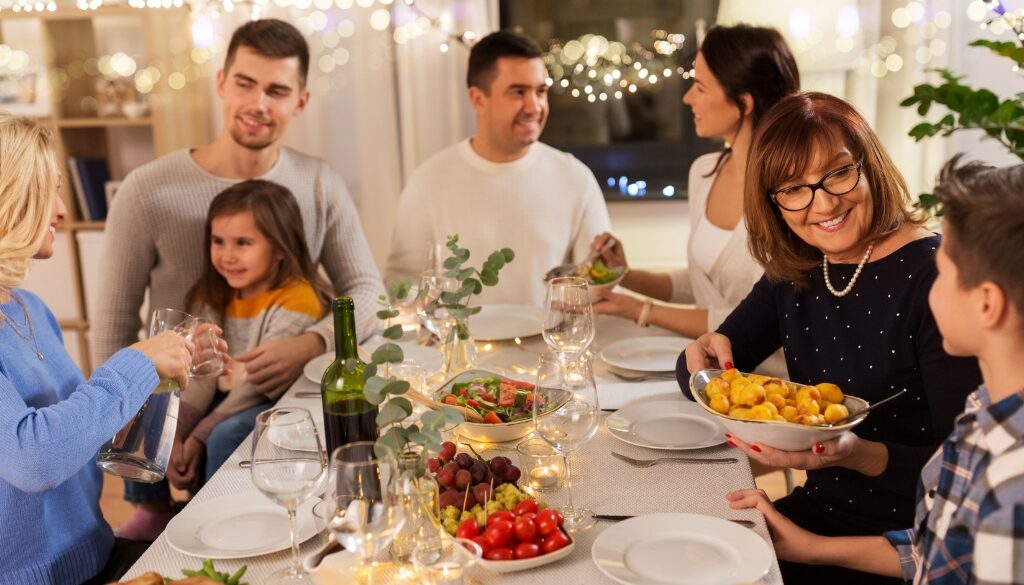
x: 792, y: 543
x: 710, y: 350
x: 614, y: 256
x: 835, y: 453
x: 171, y: 355
x: 620, y: 305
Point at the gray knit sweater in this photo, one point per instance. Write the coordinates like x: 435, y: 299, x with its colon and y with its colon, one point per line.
x: 155, y: 232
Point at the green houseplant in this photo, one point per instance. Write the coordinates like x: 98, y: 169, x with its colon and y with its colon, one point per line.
x: 975, y: 109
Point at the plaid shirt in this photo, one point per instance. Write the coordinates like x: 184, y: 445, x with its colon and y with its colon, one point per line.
x: 970, y: 502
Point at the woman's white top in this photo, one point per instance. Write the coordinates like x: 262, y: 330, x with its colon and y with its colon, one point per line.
x: 717, y: 280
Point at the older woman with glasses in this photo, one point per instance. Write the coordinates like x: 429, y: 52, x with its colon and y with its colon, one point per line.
x: 52, y: 420
x: 845, y: 295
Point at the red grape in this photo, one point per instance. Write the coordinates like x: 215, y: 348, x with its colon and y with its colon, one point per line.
x: 463, y: 479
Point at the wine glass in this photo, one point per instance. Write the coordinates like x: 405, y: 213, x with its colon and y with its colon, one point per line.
x: 432, y: 315
x: 568, y: 316
x: 363, y: 502
x: 569, y: 389
x: 287, y: 466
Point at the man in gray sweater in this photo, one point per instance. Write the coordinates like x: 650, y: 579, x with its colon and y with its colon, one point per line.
x: 155, y: 231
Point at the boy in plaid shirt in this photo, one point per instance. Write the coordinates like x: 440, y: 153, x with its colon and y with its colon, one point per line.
x: 969, y: 525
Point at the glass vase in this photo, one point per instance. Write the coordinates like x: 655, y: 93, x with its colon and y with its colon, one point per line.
x: 458, y: 350
x: 419, y: 496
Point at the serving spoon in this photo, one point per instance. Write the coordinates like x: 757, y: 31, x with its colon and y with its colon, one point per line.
x: 864, y: 411
x: 574, y: 269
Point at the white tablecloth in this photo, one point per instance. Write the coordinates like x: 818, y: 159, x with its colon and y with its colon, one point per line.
x: 601, y: 482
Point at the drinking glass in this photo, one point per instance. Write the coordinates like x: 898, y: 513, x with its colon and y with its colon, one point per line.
x: 140, y: 450
x: 364, y: 507
x: 568, y: 387
x: 568, y: 316
x: 288, y: 463
x: 432, y: 315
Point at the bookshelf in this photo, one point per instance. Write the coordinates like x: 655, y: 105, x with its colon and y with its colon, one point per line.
x: 66, y: 46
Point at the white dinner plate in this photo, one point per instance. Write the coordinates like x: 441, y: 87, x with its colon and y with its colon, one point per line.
x: 685, y: 549
x: 645, y: 354
x: 501, y: 322
x: 236, y: 526
x: 428, y: 357
x: 666, y: 424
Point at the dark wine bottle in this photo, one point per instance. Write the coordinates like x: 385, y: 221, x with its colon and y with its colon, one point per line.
x: 348, y: 416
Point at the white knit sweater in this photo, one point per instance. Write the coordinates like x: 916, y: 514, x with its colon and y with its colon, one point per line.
x: 155, y: 232
x: 546, y: 206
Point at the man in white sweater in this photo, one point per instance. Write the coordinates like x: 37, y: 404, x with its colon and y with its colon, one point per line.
x: 502, y: 188
x: 155, y: 232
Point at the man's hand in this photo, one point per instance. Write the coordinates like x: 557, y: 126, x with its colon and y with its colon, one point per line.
x: 186, y: 457
x: 273, y: 366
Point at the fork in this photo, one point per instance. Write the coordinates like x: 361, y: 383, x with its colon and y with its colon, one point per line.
x: 652, y: 462
x: 643, y: 377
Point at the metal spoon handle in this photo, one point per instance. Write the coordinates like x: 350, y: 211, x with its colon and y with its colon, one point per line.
x: 871, y: 407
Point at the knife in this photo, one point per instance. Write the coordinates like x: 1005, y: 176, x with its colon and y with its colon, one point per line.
x: 619, y: 517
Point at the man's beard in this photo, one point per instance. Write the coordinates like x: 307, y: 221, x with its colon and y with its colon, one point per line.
x: 239, y: 138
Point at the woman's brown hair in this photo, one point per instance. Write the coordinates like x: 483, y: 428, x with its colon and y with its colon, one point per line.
x: 785, y: 144
x: 278, y: 218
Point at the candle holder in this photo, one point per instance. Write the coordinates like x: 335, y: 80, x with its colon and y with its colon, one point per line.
x: 450, y: 568
x: 543, y: 467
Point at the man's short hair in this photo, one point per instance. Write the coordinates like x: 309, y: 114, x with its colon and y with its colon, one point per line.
x: 273, y: 38
x: 484, y: 55
x: 983, y: 215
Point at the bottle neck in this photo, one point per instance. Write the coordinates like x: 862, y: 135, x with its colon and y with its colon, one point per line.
x: 344, y: 333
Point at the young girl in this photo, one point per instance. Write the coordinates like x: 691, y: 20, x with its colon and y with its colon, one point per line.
x: 259, y: 283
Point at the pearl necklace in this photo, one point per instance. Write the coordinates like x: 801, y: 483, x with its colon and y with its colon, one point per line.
x: 31, y: 329
x: 856, y: 273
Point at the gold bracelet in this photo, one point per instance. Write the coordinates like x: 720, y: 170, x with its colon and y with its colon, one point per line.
x: 645, y: 312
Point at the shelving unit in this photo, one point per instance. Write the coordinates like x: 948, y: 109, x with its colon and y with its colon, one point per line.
x: 69, y: 39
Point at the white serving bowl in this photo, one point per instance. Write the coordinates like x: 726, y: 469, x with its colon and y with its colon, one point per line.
x: 523, y: 564
x: 786, y: 436
x: 592, y: 286
x: 486, y: 432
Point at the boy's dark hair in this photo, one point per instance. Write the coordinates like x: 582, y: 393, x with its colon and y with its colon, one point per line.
x: 983, y: 213
x: 484, y: 55
x: 274, y: 38
x: 278, y: 218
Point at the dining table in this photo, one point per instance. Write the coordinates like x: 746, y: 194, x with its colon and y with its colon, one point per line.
x: 600, y: 482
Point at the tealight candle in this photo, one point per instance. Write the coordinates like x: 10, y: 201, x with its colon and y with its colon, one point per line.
x: 541, y: 464
x: 447, y: 574
x: 543, y: 477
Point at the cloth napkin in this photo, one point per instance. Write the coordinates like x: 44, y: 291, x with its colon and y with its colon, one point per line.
x: 619, y: 394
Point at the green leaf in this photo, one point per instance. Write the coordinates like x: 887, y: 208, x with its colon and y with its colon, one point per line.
x: 432, y: 420
x: 488, y: 277
x: 451, y: 416
x: 400, y: 289
x: 387, y: 353
x: 394, y: 438
x: 459, y: 312
x: 496, y: 260
x: 451, y: 262
x: 451, y: 298
x: 393, y: 332
x: 508, y: 254
x: 475, y: 310
x: 373, y: 390
x: 393, y: 411
x: 464, y: 274
x: 396, y: 387
x: 922, y: 130
x: 462, y: 254
x: 477, y: 286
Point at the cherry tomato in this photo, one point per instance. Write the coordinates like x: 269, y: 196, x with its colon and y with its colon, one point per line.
x: 485, y: 544
x: 491, y: 418
x: 500, y: 554
x: 527, y: 550
x: 525, y: 507
x: 526, y: 530
x: 501, y: 515
x: 468, y: 528
x: 548, y: 519
x: 554, y: 541
x: 500, y: 532
x: 530, y: 516
x: 449, y: 399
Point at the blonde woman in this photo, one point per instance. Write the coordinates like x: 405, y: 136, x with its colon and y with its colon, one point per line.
x: 52, y: 420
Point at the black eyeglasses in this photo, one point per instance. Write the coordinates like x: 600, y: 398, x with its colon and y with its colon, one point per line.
x: 837, y: 182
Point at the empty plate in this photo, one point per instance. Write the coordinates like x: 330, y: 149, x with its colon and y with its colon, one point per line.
x: 668, y: 424
x: 236, y: 526
x: 646, y: 354
x: 685, y: 549
x: 501, y: 322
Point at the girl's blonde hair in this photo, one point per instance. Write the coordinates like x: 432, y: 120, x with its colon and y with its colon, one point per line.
x: 28, y: 184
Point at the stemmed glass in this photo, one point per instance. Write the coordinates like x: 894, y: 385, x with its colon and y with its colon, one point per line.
x: 571, y: 388
x: 364, y: 508
x: 288, y: 463
x: 568, y: 317
x: 432, y: 315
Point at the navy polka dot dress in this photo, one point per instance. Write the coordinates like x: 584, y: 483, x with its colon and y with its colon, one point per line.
x: 875, y: 341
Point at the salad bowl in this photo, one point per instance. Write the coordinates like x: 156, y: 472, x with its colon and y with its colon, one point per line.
x: 505, y: 403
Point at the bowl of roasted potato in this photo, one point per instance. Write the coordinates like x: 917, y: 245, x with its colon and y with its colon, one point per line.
x: 777, y: 413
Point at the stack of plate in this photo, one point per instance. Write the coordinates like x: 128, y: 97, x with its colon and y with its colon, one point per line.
x: 645, y: 355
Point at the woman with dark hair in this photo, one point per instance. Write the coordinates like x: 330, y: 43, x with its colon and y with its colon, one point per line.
x: 739, y: 73
x: 845, y: 295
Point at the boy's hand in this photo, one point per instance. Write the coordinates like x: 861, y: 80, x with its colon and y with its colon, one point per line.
x: 792, y: 543
x: 273, y: 366
x: 183, y: 470
x: 233, y: 375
